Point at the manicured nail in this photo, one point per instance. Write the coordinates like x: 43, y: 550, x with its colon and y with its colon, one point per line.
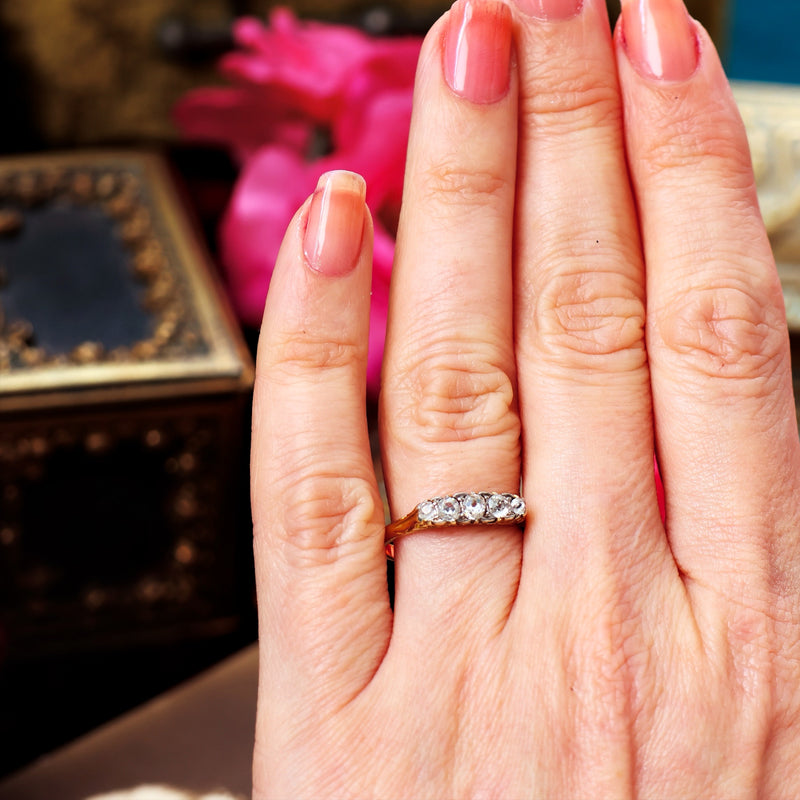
x: 335, y: 223
x: 660, y: 38
x: 477, y: 50
x: 551, y: 9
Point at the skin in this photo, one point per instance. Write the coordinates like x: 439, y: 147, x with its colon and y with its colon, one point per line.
x: 582, y: 279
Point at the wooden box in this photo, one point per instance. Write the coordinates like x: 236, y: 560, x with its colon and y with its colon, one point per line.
x: 124, y: 393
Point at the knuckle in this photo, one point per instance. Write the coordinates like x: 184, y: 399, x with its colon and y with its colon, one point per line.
x: 459, y: 188
x: 724, y: 332
x: 714, y: 145
x: 301, y: 353
x: 456, y: 396
x: 325, y: 516
x: 606, y: 659
x: 570, y: 100
x: 751, y: 654
x: 584, y: 316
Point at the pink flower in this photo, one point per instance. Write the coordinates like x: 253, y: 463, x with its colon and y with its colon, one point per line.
x: 255, y: 221
x: 293, y: 80
x: 240, y: 119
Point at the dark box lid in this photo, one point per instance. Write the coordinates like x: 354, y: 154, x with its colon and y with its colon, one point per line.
x: 106, y: 293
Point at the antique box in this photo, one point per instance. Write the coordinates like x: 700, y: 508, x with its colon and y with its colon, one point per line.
x: 124, y: 393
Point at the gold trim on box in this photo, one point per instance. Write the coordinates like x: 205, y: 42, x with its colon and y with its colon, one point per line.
x: 195, y: 346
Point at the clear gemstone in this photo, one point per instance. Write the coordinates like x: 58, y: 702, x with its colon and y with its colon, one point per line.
x: 473, y: 506
x: 499, y: 507
x: 518, y: 507
x: 427, y: 511
x: 448, y: 509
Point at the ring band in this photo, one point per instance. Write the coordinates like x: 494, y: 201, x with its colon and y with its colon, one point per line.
x: 462, y: 508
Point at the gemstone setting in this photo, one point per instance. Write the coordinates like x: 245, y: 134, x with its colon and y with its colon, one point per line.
x: 499, y: 506
x: 472, y: 508
x: 426, y: 511
x: 448, y: 509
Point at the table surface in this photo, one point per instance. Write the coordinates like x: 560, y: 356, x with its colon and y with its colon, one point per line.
x: 197, y: 738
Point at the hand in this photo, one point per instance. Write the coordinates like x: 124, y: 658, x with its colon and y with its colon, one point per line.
x: 559, y: 312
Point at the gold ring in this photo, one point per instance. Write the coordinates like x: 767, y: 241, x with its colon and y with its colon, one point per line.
x: 462, y: 508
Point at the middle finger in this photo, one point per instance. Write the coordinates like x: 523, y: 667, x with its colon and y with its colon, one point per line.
x: 580, y: 312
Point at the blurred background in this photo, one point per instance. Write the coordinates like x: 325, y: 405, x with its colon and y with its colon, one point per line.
x: 81, y: 72
x: 109, y: 597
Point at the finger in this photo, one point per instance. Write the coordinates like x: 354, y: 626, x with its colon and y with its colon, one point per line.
x: 448, y: 415
x: 717, y: 338
x: 324, y: 612
x: 580, y: 315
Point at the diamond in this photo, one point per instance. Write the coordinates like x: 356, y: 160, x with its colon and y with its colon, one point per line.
x: 473, y: 506
x: 517, y: 506
x: 499, y: 507
x: 448, y: 509
x: 426, y: 511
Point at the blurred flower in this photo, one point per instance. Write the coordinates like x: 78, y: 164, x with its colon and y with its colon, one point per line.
x: 297, y: 85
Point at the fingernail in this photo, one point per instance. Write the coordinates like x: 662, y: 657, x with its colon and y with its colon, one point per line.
x: 551, y: 9
x: 660, y: 38
x: 335, y: 226
x: 477, y: 50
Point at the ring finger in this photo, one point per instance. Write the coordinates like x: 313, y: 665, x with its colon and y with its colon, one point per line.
x: 448, y: 408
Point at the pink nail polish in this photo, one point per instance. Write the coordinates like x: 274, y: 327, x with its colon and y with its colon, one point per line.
x: 660, y: 38
x: 335, y: 225
x: 477, y: 50
x: 551, y: 9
